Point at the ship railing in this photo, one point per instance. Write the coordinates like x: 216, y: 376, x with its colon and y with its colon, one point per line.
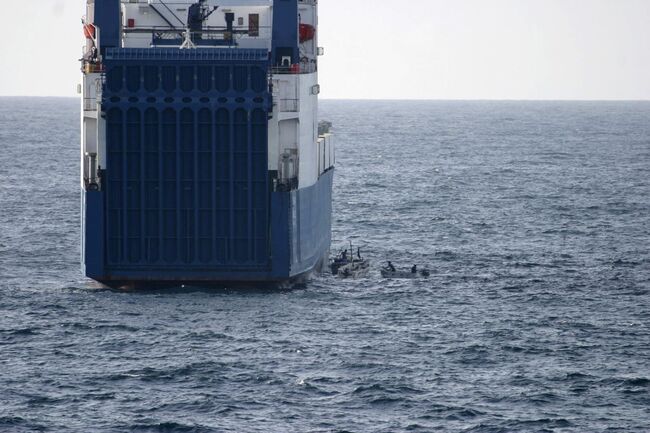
x: 298, y: 68
x: 204, y: 38
x: 92, y: 67
x: 262, y: 32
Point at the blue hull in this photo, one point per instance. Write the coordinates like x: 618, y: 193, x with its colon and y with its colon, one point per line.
x: 185, y: 194
x: 300, y: 233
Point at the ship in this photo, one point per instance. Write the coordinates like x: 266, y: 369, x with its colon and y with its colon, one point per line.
x: 202, y: 158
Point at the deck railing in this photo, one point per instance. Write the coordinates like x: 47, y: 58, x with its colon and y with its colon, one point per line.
x: 298, y: 68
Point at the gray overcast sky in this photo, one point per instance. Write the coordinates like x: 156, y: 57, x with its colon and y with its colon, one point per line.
x: 424, y: 49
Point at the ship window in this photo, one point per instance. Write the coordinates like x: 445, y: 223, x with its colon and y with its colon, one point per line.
x: 254, y: 25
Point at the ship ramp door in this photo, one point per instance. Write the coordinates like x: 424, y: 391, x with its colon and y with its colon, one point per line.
x: 186, y: 176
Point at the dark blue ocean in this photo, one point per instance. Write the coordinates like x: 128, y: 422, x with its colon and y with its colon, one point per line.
x: 534, y: 218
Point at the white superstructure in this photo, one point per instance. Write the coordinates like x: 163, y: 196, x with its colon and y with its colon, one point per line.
x: 296, y: 149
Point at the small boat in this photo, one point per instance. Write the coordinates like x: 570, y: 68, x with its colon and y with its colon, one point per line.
x: 338, y: 262
x: 357, y: 268
x: 346, y: 265
x: 404, y: 275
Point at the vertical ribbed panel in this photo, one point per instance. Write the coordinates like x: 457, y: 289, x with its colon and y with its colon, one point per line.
x: 186, y: 179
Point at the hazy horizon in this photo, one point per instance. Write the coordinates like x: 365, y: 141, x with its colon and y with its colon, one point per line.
x: 466, y: 50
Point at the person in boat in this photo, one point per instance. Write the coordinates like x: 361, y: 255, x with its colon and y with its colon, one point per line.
x: 391, y: 267
x: 344, y: 255
x: 359, y: 253
x: 414, y: 269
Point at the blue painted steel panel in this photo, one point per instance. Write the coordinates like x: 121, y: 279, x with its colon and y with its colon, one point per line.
x: 186, y: 194
x: 314, y: 211
x: 280, y: 235
x: 186, y: 177
x: 285, y: 31
x: 93, y: 230
x: 107, y: 19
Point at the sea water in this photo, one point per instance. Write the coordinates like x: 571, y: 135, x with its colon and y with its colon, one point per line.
x: 533, y: 218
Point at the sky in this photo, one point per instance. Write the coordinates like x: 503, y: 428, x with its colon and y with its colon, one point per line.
x: 413, y: 49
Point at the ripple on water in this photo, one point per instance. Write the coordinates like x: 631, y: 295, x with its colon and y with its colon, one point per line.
x: 533, y: 320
